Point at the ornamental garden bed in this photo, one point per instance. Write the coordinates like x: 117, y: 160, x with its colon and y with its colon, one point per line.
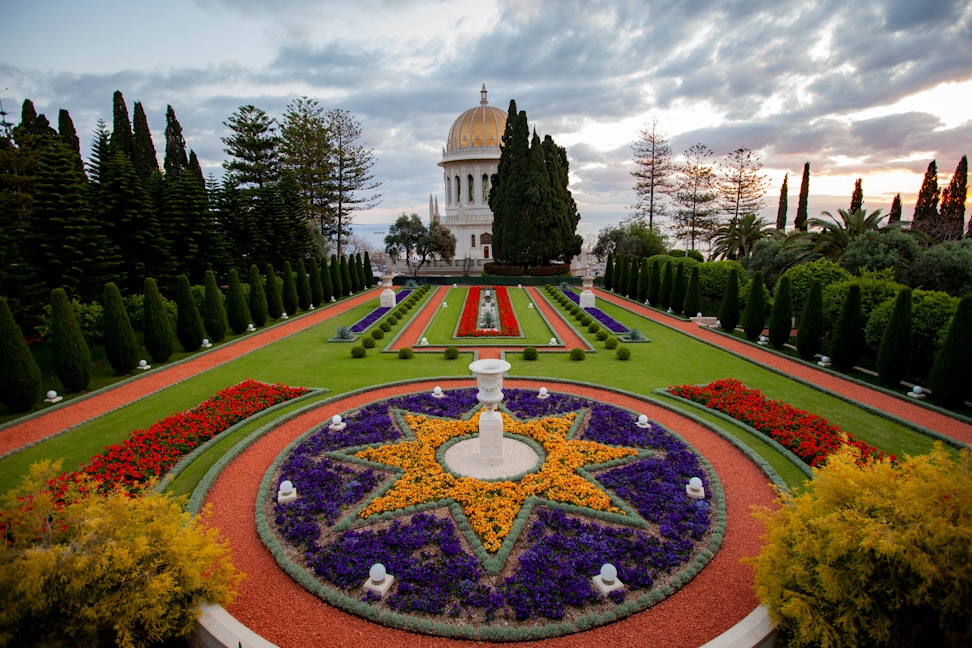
x: 472, y: 322
x: 499, y: 560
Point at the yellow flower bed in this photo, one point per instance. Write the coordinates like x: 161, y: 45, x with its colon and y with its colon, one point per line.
x: 491, y: 507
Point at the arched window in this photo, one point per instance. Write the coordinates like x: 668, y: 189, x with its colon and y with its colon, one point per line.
x: 449, y: 189
x: 472, y: 240
x: 458, y: 190
x: 486, y: 238
x: 485, y: 188
x: 472, y: 188
x: 485, y: 251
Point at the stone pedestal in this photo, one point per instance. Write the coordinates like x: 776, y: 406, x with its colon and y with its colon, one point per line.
x: 387, y: 297
x: 587, y: 297
x: 489, y: 378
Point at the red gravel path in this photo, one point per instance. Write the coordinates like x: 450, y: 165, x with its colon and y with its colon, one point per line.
x: 75, y: 413
x: 926, y: 418
x: 274, y: 606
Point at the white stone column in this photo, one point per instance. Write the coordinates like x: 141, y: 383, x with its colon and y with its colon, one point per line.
x: 489, y: 378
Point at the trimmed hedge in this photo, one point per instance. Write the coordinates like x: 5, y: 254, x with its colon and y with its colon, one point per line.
x: 358, y: 352
x: 755, y: 314
x: 950, y: 378
x: 530, y: 353
x: 623, y: 353
x: 157, y: 332
x: 274, y: 299
x: 729, y: 312
x: 121, y: 345
x: 693, y: 295
x: 259, y: 307
x: 72, y: 359
x: 781, y: 319
x: 236, y: 311
x: 189, y: 325
x: 848, y: 339
x: 451, y: 353
x: 289, y: 290
x: 577, y: 354
x: 894, y: 355
x: 406, y: 353
x: 214, y: 315
x: 20, y: 377
x: 810, y: 334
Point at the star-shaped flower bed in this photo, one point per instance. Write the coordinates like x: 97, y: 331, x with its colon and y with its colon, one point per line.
x: 505, y: 559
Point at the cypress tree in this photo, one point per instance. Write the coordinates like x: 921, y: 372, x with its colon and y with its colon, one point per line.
x: 643, y: 277
x: 258, y: 298
x: 894, y: 354
x: 358, y: 272
x: 668, y: 281
x: 69, y: 136
x: 274, y: 299
x: 144, y: 158
x: 609, y: 272
x: 621, y: 266
x: 801, y: 218
x: 122, y: 138
x: 729, y: 311
x: 926, y: 207
x: 346, y: 276
x: 175, y: 145
x: 156, y: 327
x: 316, y: 287
x: 20, y: 377
x: 950, y: 378
x: 894, y: 216
x: 326, y: 283
x: 289, y: 289
x: 693, y: 295
x: 336, y: 284
x: 303, y: 287
x: 754, y: 317
x: 654, y: 283
x: 72, y: 359
x: 782, y: 316
x: 189, y: 325
x: 677, y: 300
x: 236, y: 311
x: 369, y: 274
x: 781, y: 209
x: 848, y: 337
x: 810, y: 333
x: 857, y: 198
x: 121, y: 346
x: 214, y: 314
x: 952, y: 211
x: 633, y: 277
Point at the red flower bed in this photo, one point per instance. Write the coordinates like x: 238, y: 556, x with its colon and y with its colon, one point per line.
x: 808, y: 436
x: 469, y: 321
x: 150, y: 453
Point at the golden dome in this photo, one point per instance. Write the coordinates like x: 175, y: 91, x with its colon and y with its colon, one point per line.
x: 478, y: 127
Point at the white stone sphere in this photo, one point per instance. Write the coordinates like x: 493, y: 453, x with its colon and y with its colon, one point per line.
x: 336, y: 419
x: 553, y: 340
x: 699, y: 314
x: 205, y: 341
x: 916, y: 389
x: 286, y: 487
x: 643, y: 419
x: 543, y: 391
x: 825, y: 359
x: 142, y: 363
x: 52, y: 394
x: 437, y: 391
x: 695, y: 483
x: 377, y: 572
x: 609, y: 573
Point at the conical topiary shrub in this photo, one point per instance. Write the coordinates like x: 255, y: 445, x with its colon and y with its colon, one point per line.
x: 754, y: 317
x: 357, y: 272
x: 950, y: 379
x: 303, y: 287
x: 693, y: 295
x: 654, y: 283
x: 258, y: 298
x: 848, y: 337
x: 609, y: 272
x: 643, y: 275
x: 289, y: 289
x: 781, y: 319
x: 665, y: 293
x: 20, y: 377
x: 369, y: 273
x: 274, y: 298
x: 316, y: 287
x: 236, y: 311
x: 214, y: 314
x: 729, y: 311
x: 156, y: 328
x: 810, y: 332
x: 633, y: 277
x: 72, y: 359
x: 189, y: 326
x: 326, y: 284
x: 337, y: 284
x: 346, y: 276
x: 894, y: 354
x: 621, y: 266
x: 677, y: 300
x: 121, y: 345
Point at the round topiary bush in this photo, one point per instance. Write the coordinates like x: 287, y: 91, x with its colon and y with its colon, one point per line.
x: 406, y: 353
x: 368, y: 342
x: 611, y: 343
x: 391, y: 320
x: 409, y: 305
x: 400, y: 311
x: 358, y: 352
x: 602, y: 335
x: 451, y: 353
x: 579, y: 315
x: 586, y: 320
x: 576, y: 354
x: 385, y: 326
x: 530, y: 353
x: 377, y: 333
x: 593, y: 327
x: 623, y: 353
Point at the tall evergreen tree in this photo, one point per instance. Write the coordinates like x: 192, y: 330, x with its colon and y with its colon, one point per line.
x: 100, y: 155
x: 189, y: 325
x: 857, y: 198
x: 633, y: 277
x: 848, y: 337
x: 316, y: 287
x: 781, y: 209
x: 643, y: 277
x: 508, y: 187
x: 289, y: 289
x: 654, y: 283
x: 811, y: 330
x: 337, y: 285
x: 175, y: 145
x: 894, y: 354
x: 156, y: 326
x: 654, y: 172
x: 668, y: 281
x: 609, y: 272
x: 741, y: 185
x: 274, y: 299
x: 306, y: 151
x: 754, y: 316
x: 565, y: 242
x: 195, y: 169
x: 144, y: 158
x: 781, y: 317
x: 20, y: 377
x: 369, y: 273
x: 894, y: 216
x: 236, y: 310
x: 729, y: 311
x: 696, y: 195
x: 253, y: 148
x: 326, y: 284
x: 950, y: 379
x: 303, y: 287
x: 72, y: 359
x: 802, y: 214
x: 214, y: 314
x: 122, y: 138
x: 361, y: 270
x: 621, y: 271
x: 121, y: 346
x: 925, y: 219
x: 69, y: 137
x: 355, y: 276
x: 346, y: 277
x: 259, y: 306
x: 693, y: 295
x: 677, y: 300
x: 952, y: 214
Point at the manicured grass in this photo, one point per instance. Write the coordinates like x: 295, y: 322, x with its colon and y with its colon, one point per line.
x: 443, y: 325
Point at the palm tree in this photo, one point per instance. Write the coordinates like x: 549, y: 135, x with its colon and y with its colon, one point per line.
x: 834, y: 236
x: 735, y: 239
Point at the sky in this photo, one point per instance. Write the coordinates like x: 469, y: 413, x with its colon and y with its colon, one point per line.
x: 870, y: 89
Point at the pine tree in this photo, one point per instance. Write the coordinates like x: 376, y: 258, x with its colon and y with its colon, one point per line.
x: 848, y: 336
x: 894, y: 216
x: 259, y: 306
x: 145, y: 159
x: 175, y: 145
x: 810, y: 333
x: 289, y: 289
x: 609, y: 272
x: 195, y: 169
x: 633, y: 276
x: 950, y: 379
x: 925, y: 219
x: 121, y: 346
x: 696, y: 196
x: 72, y: 359
x: 214, y: 314
x: 122, y: 138
x: 857, y: 198
x: 20, y: 377
x: 369, y: 273
x: 677, y: 300
x: 303, y: 287
x: 236, y: 311
x: 346, y: 277
x: 156, y: 327
x: 729, y: 311
x: 643, y: 277
x: 952, y: 214
x: 189, y: 326
x: 781, y: 318
x: 253, y: 149
x: 274, y: 299
x: 654, y: 283
x: 316, y: 287
x: 693, y: 295
x: 337, y: 286
x: 801, y: 218
x: 69, y: 137
x: 754, y: 316
x: 653, y: 157
x: 781, y: 209
x: 894, y: 354
x: 668, y: 280
x: 306, y: 151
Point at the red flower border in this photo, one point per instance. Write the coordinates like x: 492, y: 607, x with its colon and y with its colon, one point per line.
x: 469, y: 320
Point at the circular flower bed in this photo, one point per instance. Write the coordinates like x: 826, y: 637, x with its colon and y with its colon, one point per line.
x: 499, y: 560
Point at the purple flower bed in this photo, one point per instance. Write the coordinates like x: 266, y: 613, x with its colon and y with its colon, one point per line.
x: 552, y: 576
x: 402, y: 294
x: 378, y: 313
x: 606, y: 320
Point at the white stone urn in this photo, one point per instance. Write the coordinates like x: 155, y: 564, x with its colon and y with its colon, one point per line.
x: 489, y: 379
x: 387, y: 297
x: 587, y: 297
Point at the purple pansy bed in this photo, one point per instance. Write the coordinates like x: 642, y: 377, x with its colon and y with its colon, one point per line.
x: 539, y: 584
x: 605, y: 320
x: 362, y: 324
